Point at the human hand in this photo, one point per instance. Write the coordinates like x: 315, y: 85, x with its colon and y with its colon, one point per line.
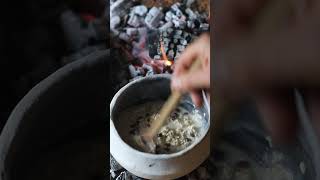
x: 199, y: 79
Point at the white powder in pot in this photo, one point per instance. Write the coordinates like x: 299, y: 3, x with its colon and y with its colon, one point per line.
x: 181, y: 129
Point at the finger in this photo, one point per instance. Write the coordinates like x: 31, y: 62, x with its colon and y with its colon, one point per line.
x: 196, y: 98
x: 189, y: 55
x: 278, y: 112
x: 192, y: 81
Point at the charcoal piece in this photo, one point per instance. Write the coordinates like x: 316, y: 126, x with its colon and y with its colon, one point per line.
x: 204, y: 27
x: 133, y: 71
x: 153, y: 40
x: 185, y: 34
x: 191, y: 14
x: 148, y: 67
x: 114, y: 22
x: 132, y: 31
x: 171, y: 45
x: 157, y: 57
x: 180, y: 48
x: 178, y: 32
x: 169, y: 16
x: 170, y: 30
x: 114, y: 165
x: 153, y: 17
x: 183, y: 42
x: 175, y: 41
x: 165, y: 34
x: 166, y: 26
x: 178, y: 23
x: 166, y: 40
x: 120, y: 7
x: 188, y: 3
x: 190, y: 24
x: 197, y: 23
x: 188, y: 38
x: 176, y: 9
x: 134, y: 21
x: 171, y: 54
x: 124, y: 36
x: 140, y: 10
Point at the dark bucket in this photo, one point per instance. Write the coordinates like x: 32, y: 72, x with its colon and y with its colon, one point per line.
x: 58, y: 130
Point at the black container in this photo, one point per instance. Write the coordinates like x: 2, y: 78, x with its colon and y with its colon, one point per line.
x: 58, y: 130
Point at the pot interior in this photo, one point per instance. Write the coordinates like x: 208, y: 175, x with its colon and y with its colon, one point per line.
x: 150, y: 89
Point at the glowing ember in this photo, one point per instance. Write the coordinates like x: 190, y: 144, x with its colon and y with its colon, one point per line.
x: 167, y: 63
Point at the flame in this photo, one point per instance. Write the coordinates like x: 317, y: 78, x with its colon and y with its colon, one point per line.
x: 167, y: 62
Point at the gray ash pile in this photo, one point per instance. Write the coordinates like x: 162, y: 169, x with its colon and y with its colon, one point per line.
x: 156, y: 35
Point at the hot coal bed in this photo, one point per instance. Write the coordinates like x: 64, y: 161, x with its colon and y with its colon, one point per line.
x: 153, y: 35
x: 147, y: 37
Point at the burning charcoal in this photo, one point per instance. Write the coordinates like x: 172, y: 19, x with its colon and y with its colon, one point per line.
x: 124, y: 37
x: 185, y: 34
x: 191, y: 14
x: 140, y: 10
x: 134, y: 21
x: 169, y: 16
x: 120, y: 7
x: 133, y: 71
x: 157, y: 57
x: 169, y: 30
x: 148, y: 67
x: 178, y: 32
x: 142, y: 31
x: 132, y: 31
x: 197, y: 23
x: 183, y: 42
x: 188, y: 38
x: 166, y: 40
x: 190, y: 24
x: 179, y: 23
x: 153, y: 17
x: 176, y: 9
x: 189, y: 2
x: 166, y: 26
x: 204, y: 27
x: 177, y: 36
x: 171, y: 54
x: 180, y: 48
x: 165, y: 34
x: 114, y: 22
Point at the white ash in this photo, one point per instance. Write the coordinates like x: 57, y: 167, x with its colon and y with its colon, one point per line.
x: 180, y: 131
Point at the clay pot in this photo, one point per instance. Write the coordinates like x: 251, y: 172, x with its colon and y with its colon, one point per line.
x: 153, y: 166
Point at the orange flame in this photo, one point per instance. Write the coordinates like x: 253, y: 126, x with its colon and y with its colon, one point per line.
x: 167, y: 62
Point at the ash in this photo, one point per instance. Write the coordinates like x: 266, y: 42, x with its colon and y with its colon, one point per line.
x: 155, y: 36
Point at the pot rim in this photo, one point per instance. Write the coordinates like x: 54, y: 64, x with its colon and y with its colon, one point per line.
x: 145, y: 154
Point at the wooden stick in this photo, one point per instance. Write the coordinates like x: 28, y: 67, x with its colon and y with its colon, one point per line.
x: 167, y: 108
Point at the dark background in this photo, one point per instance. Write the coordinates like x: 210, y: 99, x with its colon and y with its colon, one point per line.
x: 34, y: 42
